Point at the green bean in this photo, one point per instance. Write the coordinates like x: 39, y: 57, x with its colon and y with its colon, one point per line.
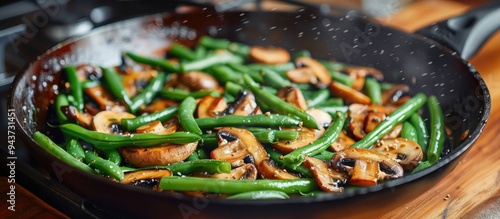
x: 175, y: 183
x: 277, y: 104
x: 373, y: 90
x: 331, y: 102
x: 332, y: 110
x: 209, y: 141
x: 52, y: 148
x: 302, y: 53
x: 386, y: 86
x: 333, y: 66
x: 209, y: 61
x: 75, y: 85
x: 61, y: 100
x: 75, y: 149
x: 90, y: 84
x: 422, y: 166
x: 179, y: 95
x: 409, y: 132
x: 182, y: 52
x: 186, y: 117
x: 214, y: 43
x: 193, y: 156
x: 200, y: 52
x: 114, y: 82
x: 113, y: 155
x: 163, y: 64
x: 148, y: 93
x: 396, y: 117
x: 273, y: 79
x: 225, y: 74
x: 422, y: 133
x: 163, y: 115
x: 241, y: 69
x: 233, y: 88
x: 281, y: 69
x: 325, y: 156
x: 188, y: 167
x: 342, y: 78
x: 321, y: 144
x: 104, y: 141
x: 286, y: 135
x: 437, y: 130
x: 258, y: 195
x: 201, y: 153
x: 260, y: 120
x: 278, y: 159
x: 268, y: 136
x: 104, y: 167
x: 315, y: 98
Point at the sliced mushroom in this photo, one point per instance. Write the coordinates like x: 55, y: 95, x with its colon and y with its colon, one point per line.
x: 348, y: 94
x: 101, y: 96
x: 303, y: 75
x: 406, y: 152
x: 135, y: 176
x: 109, y: 121
x: 157, y: 156
x: 195, y: 81
x: 394, y: 93
x: 306, y: 136
x: 233, y: 152
x: 357, y: 114
x: 363, y: 71
x: 269, y: 55
x: 244, y: 104
x: 152, y: 127
x: 328, y: 179
x: 247, y: 171
x: 322, y: 118
x: 158, y: 104
x: 268, y: 170
x: 84, y: 119
x: 136, y: 80
x: 320, y: 71
x: 366, y: 167
x: 342, y: 142
x: 294, y: 96
x: 252, y: 145
x: 210, y: 106
x: 372, y: 120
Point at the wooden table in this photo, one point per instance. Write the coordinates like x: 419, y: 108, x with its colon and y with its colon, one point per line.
x: 471, y: 190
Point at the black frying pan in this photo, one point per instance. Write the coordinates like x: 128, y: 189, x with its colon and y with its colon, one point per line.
x: 404, y: 58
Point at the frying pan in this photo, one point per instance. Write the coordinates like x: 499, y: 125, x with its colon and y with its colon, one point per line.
x: 425, y: 65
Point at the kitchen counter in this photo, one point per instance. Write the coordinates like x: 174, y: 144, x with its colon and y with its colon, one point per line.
x: 471, y: 190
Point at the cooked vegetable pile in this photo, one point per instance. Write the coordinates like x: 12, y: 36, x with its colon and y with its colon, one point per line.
x: 229, y: 120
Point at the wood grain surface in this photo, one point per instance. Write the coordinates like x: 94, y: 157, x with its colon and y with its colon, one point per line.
x: 471, y: 190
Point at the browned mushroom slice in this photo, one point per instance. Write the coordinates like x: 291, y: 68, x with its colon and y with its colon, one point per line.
x: 360, y: 71
x: 306, y: 136
x: 269, y: 55
x: 134, y: 81
x: 84, y: 119
x: 109, y: 121
x: 294, y: 96
x: 210, y: 106
x: 406, y: 152
x: 244, y: 104
x: 101, y: 96
x: 268, y: 170
x: 232, y: 152
x: 158, y: 104
x: 348, y: 94
x: 135, y: 176
x: 322, y: 118
x: 252, y: 145
x: 342, y: 142
x: 328, y: 179
x: 195, y: 81
x: 324, y: 77
x: 372, y: 120
x: 394, y: 93
x: 303, y: 75
x: 394, y: 133
x: 247, y: 171
x: 152, y: 127
x: 366, y: 167
x: 157, y: 156
x: 357, y: 114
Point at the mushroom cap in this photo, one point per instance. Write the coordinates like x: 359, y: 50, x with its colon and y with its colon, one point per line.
x: 105, y: 121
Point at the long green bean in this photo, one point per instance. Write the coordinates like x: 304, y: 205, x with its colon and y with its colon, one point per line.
x: 437, y: 130
x: 260, y: 120
x: 186, y: 117
x: 131, y: 124
x: 75, y: 86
